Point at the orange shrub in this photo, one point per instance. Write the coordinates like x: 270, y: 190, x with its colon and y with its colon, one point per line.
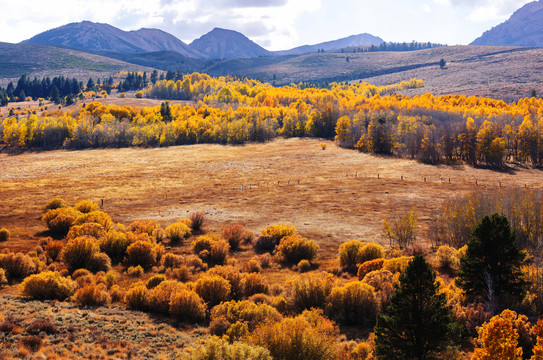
x: 186, y: 305
x: 245, y: 311
x: 370, y: 251
x: 310, y: 291
x: 198, y: 220
x: 397, y: 265
x: 92, y: 295
x: 204, y: 242
x: 17, y: 265
x: 98, y: 217
x: 160, y: 296
x: 253, y: 283
x: 54, y: 203
x: 53, y: 249
x: 213, y: 289
x: 219, y: 252
x: 353, y: 303
x: 60, y: 220
x: 90, y: 229
x: 114, y: 244
x: 141, y: 253
x: 236, y: 234
x: 369, y: 266
x: 137, y: 298
x: 177, y: 231
x: 295, y: 248
x: 48, y: 285
x: 144, y: 227
x: 234, y: 277
x: 79, y: 252
x: 86, y: 206
x: 170, y: 260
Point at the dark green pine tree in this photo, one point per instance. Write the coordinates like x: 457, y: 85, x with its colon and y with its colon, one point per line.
x: 418, y: 323
x: 491, y: 269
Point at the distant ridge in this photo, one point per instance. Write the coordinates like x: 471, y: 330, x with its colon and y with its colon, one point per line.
x: 349, y: 41
x: 97, y: 36
x: 523, y: 28
x: 226, y: 44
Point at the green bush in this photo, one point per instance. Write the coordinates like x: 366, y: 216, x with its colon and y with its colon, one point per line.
x: 370, y: 251
x: 4, y: 234
x: 295, y: 248
x: 213, y: 289
x: 187, y: 305
x: 48, y: 285
x: 215, y: 348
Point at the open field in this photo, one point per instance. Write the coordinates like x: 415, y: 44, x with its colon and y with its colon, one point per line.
x: 333, y: 196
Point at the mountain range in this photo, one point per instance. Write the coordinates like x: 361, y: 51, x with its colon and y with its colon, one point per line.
x: 523, y: 28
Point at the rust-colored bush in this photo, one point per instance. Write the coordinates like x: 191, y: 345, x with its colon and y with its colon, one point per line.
x: 32, y: 343
x: 144, y: 227
x: 181, y: 273
x: 137, y: 298
x: 170, y: 260
x: 42, y: 325
x: 92, y: 295
x: 236, y: 234
x: 245, y: 311
x: 265, y: 243
x: 369, y: 266
x: 135, y: 271
x: 187, y: 305
x: 161, y: 295
x: 253, y: 283
x: 53, y: 249
x: 292, y: 249
x: 198, y: 220
x: 253, y: 266
x: 234, y: 277
x: 141, y: 253
x: 17, y: 265
x: 204, y: 242
x: 48, y: 285
x: 213, y: 289
x: 219, y: 252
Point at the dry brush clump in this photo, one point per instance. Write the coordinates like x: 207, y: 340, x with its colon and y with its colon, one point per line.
x: 236, y: 234
x: 353, y: 303
x: 4, y: 234
x: 53, y: 249
x: 86, y: 206
x: 55, y: 203
x: 369, y: 266
x: 213, y: 289
x: 211, y: 249
x: 92, y: 295
x: 17, y: 265
x: 83, y: 252
x: 197, y: 221
x: 141, y: 253
x: 294, y: 248
x: 177, y: 231
x: 216, y: 348
x: 310, y: 291
x: 114, y: 243
x: 48, y: 285
x: 60, y: 220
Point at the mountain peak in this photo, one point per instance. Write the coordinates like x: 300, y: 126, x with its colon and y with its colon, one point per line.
x: 523, y: 28
x: 224, y: 43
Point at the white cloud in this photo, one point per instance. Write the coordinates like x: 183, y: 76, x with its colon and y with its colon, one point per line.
x: 427, y: 9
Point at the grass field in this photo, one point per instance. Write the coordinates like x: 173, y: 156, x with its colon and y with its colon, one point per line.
x: 331, y: 196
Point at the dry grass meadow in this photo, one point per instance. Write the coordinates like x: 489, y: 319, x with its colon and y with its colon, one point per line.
x: 331, y: 195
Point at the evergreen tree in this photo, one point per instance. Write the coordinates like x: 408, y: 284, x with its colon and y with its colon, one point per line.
x: 55, y: 95
x: 154, y: 76
x: 417, y: 324
x: 90, y: 85
x: 166, y: 111
x: 491, y: 268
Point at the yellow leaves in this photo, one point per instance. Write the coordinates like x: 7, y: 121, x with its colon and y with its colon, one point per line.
x: 498, y: 339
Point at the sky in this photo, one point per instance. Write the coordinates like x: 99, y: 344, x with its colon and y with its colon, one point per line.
x: 273, y: 24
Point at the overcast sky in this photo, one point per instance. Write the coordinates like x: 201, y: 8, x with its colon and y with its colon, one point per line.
x: 274, y: 24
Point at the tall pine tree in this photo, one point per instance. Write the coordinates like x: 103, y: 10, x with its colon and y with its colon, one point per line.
x: 418, y: 323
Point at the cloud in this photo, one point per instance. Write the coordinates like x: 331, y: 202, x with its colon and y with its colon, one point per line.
x: 486, y: 10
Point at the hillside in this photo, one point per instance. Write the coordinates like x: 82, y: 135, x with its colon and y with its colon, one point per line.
x: 41, y: 60
x: 350, y: 41
x: 224, y: 44
x: 96, y: 36
x: 524, y: 28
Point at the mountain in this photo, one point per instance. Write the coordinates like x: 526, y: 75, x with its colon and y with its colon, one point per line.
x: 524, y: 28
x: 350, y: 41
x: 96, y: 36
x: 226, y: 44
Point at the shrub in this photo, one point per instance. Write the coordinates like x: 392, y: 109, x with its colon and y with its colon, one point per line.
x: 215, y: 348
x: 295, y: 248
x: 154, y: 280
x: 86, y: 206
x: 447, y: 259
x: 181, y: 273
x: 4, y: 234
x: 236, y: 234
x: 203, y: 242
x: 100, y: 262
x: 90, y: 229
x: 369, y: 266
x: 370, y: 251
x: 48, y: 285
x: 3, y: 278
x: 304, y: 265
x: 80, y: 252
x: 233, y: 275
x: 265, y: 243
x: 187, y: 305
x: 144, y: 227
x: 160, y: 296
x: 219, y: 252
x: 265, y: 260
x: 397, y: 265
x: 53, y: 249
x: 137, y: 298
x: 98, y: 217
x: 196, y: 263
x: 198, y: 220
x: 348, y: 252
x: 253, y: 283
x: 55, y: 203
x: 114, y: 244
x: 170, y: 260
x: 309, y: 334
x: 245, y: 311
x: 141, y: 253
x: 353, y: 303
x: 135, y: 271
x: 42, y: 325
x: 17, y: 265
x: 80, y: 273
x: 32, y: 343
x: 60, y: 220
x: 92, y: 295
x: 213, y: 289
x: 279, y: 231
x: 253, y: 266
x: 111, y: 279
x: 177, y: 231
x: 308, y: 292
